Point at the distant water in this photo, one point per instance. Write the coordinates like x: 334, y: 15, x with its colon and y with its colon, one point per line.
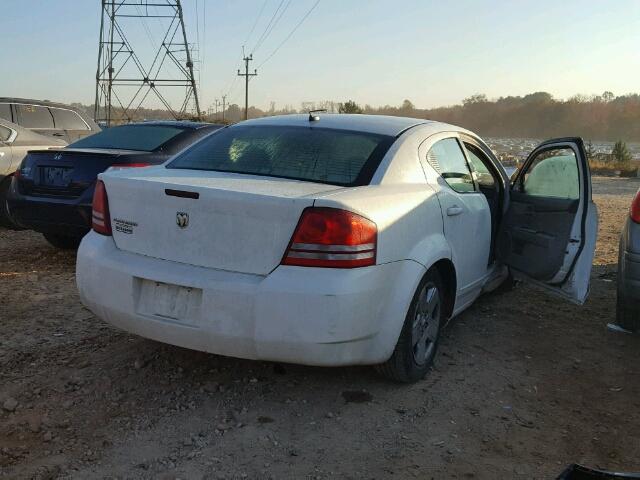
x: 521, y: 147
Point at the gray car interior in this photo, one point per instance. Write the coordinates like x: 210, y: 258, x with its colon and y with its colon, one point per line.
x: 536, y: 230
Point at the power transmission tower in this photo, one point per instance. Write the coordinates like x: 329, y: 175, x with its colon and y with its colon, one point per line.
x: 122, y: 69
x: 246, y: 76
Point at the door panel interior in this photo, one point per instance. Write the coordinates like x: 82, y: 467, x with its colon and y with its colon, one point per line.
x: 549, y: 230
x: 535, y: 232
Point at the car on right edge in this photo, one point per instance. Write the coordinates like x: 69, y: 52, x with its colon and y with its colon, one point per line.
x: 628, y: 306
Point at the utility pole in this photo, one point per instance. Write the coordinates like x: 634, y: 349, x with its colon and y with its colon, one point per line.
x: 217, y: 104
x: 246, y: 76
x: 224, y: 99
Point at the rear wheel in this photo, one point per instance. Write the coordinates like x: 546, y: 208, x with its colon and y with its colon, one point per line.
x: 64, y: 242
x: 418, y: 341
x: 5, y: 219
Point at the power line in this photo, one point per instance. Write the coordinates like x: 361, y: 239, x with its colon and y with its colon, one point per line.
x: 152, y: 40
x: 264, y: 4
x: 284, y: 9
x: 233, y: 84
x: 255, y: 23
x: 197, y: 23
x: 198, y: 42
x: 290, y: 33
x: 266, y: 32
x: 266, y: 29
x: 204, y: 37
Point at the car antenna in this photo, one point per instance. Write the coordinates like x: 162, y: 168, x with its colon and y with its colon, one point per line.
x: 313, y: 117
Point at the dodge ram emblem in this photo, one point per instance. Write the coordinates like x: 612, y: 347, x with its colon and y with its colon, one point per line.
x: 182, y: 219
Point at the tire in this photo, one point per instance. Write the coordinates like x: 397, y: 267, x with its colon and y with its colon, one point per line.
x: 418, y: 342
x: 5, y: 219
x: 627, y: 313
x: 64, y: 242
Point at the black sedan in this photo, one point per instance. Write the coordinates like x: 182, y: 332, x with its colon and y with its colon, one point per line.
x: 628, y: 311
x: 52, y: 191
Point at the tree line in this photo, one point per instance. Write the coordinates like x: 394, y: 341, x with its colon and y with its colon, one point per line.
x: 538, y: 115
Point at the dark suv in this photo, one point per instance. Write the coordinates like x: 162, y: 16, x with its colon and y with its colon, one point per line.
x: 47, y: 118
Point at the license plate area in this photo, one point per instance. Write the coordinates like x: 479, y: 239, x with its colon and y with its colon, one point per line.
x: 170, y: 302
x: 56, y: 176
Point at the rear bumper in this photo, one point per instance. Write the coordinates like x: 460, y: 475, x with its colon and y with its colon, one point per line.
x: 60, y: 216
x: 313, y: 316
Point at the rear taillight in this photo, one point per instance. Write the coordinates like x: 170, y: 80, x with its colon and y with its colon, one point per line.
x: 635, y: 208
x: 100, y: 218
x: 330, y: 237
x: 18, y: 173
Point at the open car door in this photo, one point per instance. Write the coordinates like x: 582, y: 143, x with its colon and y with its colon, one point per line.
x: 549, y: 230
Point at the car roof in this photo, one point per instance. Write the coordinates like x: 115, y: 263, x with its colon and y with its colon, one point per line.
x: 379, y: 124
x: 30, y: 101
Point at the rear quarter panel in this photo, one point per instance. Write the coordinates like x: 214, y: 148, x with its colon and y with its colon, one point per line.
x: 402, y: 204
x: 410, y: 231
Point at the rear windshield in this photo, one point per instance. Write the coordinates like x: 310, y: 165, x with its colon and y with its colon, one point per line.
x: 323, y: 155
x: 130, y: 137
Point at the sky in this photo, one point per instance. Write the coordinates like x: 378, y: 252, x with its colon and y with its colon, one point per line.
x: 375, y: 52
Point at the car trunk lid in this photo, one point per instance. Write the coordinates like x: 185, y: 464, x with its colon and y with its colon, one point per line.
x: 233, y: 222
x: 66, y: 172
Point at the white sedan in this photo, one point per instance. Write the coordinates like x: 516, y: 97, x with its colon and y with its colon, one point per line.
x: 331, y: 239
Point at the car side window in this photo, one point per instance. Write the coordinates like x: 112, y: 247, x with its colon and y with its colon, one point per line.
x: 5, y: 111
x: 5, y: 134
x: 34, y: 116
x: 479, y: 170
x: 68, y: 119
x: 447, y: 158
x: 553, y: 173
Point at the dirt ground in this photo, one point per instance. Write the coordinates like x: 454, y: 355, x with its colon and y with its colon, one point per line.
x: 524, y: 384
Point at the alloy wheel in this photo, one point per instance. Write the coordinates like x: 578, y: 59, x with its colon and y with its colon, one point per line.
x: 426, y: 323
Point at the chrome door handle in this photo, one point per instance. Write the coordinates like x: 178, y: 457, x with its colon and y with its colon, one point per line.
x: 455, y: 210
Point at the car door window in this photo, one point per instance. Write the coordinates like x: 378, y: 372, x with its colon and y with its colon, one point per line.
x: 479, y: 170
x: 5, y: 133
x: 68, y: 119
x: 34, y: 116
x: 553, y: 173
x: 447, y: 158
x: 5, y: 111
